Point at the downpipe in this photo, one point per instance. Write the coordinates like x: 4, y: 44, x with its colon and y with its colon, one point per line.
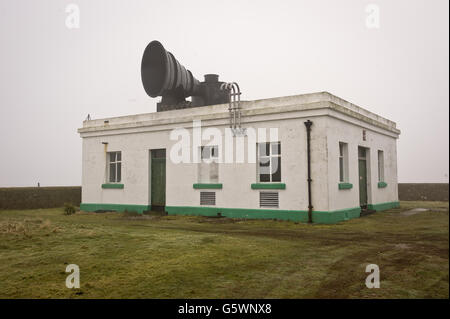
x: 308, y: 125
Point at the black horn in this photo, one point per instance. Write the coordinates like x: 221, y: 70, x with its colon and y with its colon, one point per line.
x: 162, y: 75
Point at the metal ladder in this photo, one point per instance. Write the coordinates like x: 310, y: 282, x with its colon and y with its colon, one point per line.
x: 234, y: 108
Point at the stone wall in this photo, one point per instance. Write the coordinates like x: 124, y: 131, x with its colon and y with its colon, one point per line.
x: 39, y: 197
x: 423, y: 191
x: 48, y: 197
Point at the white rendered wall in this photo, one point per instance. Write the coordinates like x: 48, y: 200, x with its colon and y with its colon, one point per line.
x: 334, y: 120
x: 352, y: 133
x: 236, y: 177
x: 135, y: 167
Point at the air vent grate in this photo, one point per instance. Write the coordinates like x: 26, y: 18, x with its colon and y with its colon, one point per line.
x: 207, y: 198
x: 268, y: 199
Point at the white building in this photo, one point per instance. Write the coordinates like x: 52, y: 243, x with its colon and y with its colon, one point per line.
x: 127, y: 163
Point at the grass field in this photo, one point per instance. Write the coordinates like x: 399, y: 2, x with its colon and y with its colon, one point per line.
x: 125, y: 256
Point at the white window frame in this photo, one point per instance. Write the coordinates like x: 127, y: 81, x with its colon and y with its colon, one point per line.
x: 380, y: 165
x: 343, y: 156
x: 117, y: 163
x: 209, y: 155
x: 212, y: 152
x: 269, y: 157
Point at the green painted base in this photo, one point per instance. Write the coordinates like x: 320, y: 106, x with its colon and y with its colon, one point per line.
x: 336, y: 216
x: 319, y: 217
x: 383, y: 206
x: 88, y: 207
x: 292, y: 215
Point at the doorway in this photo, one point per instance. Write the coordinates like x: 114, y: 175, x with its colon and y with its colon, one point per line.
x: 362, y: 166
x: 158, y: 179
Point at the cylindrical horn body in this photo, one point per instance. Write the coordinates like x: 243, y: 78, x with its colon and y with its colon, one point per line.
x: 163, y: 75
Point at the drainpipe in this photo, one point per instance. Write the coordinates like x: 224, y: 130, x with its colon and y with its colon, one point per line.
x: 308, y: 125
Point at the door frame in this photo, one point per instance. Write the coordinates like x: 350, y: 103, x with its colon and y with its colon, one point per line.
x: 151, y: 157
x: 366, y: 160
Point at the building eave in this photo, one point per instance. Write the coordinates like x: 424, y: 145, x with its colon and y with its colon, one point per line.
x: 298, y: 104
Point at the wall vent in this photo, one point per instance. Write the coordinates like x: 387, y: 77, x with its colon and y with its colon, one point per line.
x: 207, y: 198
x: 268, y: 199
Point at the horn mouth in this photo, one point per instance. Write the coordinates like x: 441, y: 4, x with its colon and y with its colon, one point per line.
x: 154, y: 69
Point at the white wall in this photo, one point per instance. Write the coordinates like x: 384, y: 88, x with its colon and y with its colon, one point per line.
x: 334, y: 120
x: 351, y: 133
x: 236, y: 178
x: 135, y: 167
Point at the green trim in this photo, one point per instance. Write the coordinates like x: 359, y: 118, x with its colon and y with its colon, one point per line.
x: 247, y: 213
x: 383, y: 206
x: 335, y: 216
x: 239, y: 213
x: 268, y: 186
x: 90, y: 207
x: 207, y: 186
x: 345, y: 185
x: 112, y: 186
x: 382, y: 184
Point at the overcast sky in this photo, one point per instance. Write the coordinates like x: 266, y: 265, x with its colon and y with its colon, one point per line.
x: 51, y: 76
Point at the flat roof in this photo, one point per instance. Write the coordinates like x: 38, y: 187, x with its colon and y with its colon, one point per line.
x: 311, y: 101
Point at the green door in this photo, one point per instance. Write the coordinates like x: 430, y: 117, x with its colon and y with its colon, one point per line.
x: 362, y: 177
x: 158, y: 179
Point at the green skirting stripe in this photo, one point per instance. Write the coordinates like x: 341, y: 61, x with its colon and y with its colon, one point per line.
x: 268, y: 186
x: 207, y: 186
x: 238, y: 212
x: 336, y: 216
x: 89, y: 207
x: 292, y: 215
x: 345, y: 185
x: 120, y: 186
x: 383, y: 206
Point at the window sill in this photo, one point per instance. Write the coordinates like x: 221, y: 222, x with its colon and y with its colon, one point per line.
x: 207, y: 186
x: 268, y: 186
x: 345, y: 185
x: 382, y: 184
x: 113, y: 185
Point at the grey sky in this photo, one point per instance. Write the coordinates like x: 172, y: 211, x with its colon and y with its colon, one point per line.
x: 51, y: 77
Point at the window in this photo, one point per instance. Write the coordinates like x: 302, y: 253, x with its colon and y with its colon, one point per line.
x: 343, y: 162
x: 209, y: 167
x: 269, y: 162
x: 115, y: 167
x: 380, y: 166
x: 361, y: 153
